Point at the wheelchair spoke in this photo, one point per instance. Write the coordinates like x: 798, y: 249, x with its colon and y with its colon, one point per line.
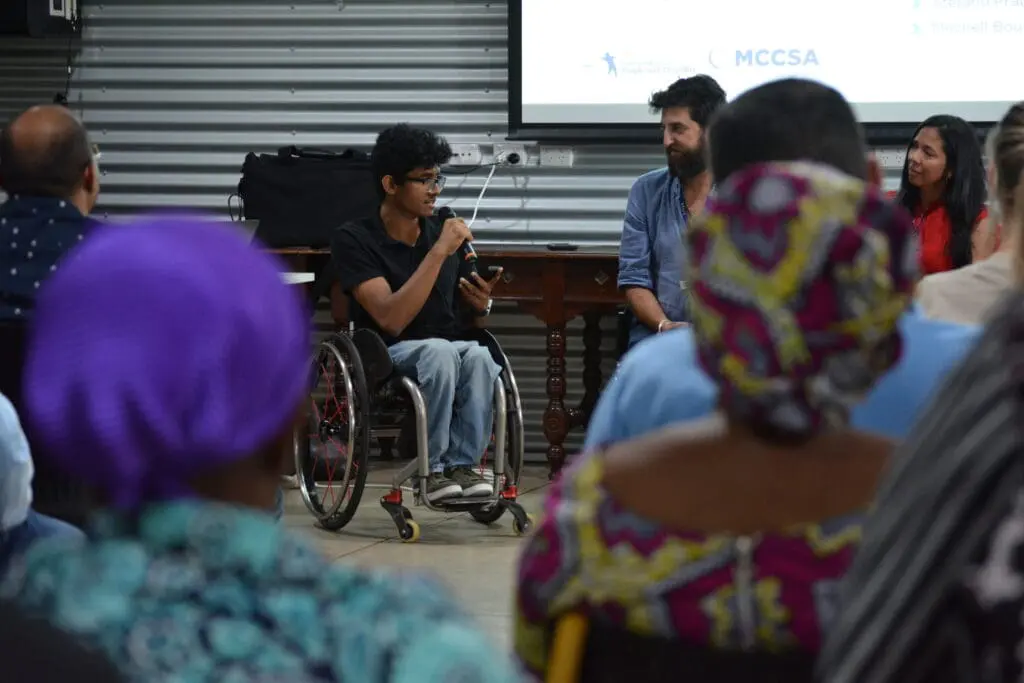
x: 328, y: 468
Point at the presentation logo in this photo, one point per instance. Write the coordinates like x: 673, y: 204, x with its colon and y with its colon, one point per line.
x: 609, y: 59
x: 612, y: 65
x: 763, y: 58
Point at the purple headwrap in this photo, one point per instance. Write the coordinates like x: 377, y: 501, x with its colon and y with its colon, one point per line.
x: 160, y: 349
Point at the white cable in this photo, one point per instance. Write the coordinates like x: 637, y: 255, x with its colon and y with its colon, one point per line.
x: 480, y: 197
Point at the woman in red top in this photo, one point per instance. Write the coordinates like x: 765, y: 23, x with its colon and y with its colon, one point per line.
x: 943, y: 188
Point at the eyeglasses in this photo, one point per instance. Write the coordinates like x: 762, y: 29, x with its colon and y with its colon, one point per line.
x: 431, y: 183
x: 96, y: 152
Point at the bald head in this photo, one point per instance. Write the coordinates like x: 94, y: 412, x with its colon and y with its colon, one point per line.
x: 45, y: 151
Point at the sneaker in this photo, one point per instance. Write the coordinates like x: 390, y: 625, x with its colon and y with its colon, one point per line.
x: 438, y: 486
x: 470, y: 480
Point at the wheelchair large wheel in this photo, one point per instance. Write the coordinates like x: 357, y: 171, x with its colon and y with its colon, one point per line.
x: 513, y: 448
x: 332, y: 447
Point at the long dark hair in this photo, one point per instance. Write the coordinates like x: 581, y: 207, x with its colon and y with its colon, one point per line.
x: 964, y: 195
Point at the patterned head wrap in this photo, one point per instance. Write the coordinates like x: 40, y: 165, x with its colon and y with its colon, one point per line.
x: 799, y: 275
x: 159, y: 350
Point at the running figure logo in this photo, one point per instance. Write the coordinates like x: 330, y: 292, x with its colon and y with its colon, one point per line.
x: 610, y: 60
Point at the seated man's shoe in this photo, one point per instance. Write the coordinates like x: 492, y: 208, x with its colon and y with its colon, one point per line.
x: 470, y: 480
x: 438, y: 487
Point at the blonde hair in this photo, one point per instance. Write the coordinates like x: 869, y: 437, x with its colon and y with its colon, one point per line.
x: 1005, y: 148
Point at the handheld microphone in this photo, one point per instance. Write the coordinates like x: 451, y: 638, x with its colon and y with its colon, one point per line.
x: 466, y: 252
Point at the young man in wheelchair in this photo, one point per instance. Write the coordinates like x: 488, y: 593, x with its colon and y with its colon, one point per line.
x: 402, y: 269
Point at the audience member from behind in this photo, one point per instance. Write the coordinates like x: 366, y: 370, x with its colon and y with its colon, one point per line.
x: 936, y: 592
x: 943, y: 188
x: 661, y: 205
x: 799, y: 274
x: 140, y: 380
x: 48, y: 170
x: 969, y: 294
x: 660, y: 382
x: 20, y: 525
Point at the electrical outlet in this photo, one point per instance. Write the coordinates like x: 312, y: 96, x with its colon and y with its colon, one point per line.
x: 557, y: 157
x: 891, y: 158
x: 466, y: 155
x: 509, y: 154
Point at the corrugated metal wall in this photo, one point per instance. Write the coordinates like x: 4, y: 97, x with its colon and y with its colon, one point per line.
x: 176, y: 93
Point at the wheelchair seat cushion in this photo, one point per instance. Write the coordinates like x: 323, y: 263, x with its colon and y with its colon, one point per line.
x: 392, y: 395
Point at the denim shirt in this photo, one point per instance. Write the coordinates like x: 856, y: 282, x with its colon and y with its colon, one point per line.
x: 651, y: 253
x: 661, y: 382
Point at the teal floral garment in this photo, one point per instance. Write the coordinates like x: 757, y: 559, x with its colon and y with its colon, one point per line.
x: 202, y: 593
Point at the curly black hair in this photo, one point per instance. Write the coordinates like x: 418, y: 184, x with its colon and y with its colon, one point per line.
x: 700, y: 94
x: 401, y: 149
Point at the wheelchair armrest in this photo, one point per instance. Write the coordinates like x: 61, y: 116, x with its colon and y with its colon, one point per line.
x: 377, y: 364
x: 488, y: 340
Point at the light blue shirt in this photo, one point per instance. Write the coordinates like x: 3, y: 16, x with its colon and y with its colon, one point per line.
x: 651, y: 253
x: 660, y: 383
x: 16, y: 468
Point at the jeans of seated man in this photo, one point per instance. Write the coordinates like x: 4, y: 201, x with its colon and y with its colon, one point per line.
x: 457, y: 383
x: 36, y: 526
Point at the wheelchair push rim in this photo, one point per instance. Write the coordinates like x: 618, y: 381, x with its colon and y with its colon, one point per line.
x: 331, y: 447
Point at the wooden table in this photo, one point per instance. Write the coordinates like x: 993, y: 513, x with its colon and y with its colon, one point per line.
x: 554, y: 287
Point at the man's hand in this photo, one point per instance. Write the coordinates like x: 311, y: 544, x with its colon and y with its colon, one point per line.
x: 478, y: 293
x: 453, y: 233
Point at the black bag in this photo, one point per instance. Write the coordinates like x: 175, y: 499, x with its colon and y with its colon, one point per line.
x: 301, y: 196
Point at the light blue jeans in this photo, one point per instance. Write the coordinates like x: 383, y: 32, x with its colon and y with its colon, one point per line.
x: 457, y: 383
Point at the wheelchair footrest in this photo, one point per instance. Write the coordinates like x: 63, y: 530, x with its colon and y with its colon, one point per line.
x: 484, y: 510
x: 463, y: 503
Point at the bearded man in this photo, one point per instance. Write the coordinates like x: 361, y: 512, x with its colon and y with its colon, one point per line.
x: 661, y: 203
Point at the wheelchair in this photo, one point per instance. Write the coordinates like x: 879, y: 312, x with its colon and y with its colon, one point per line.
x: 358, y: 396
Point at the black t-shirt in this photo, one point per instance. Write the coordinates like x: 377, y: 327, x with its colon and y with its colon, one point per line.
x: 363, y: 251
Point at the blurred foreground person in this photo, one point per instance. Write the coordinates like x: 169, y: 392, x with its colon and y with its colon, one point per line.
x: 20, y: 525
x: 731, y: 532
x: 49, y: 171
x: 33, y: 651
x: 167, y: 365
x: 937, y: 591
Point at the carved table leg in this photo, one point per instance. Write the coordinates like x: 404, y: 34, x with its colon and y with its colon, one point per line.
x: 556, y: 417
x: 580, y: 416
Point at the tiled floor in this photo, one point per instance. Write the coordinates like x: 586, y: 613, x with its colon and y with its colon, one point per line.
x: 454, y: 547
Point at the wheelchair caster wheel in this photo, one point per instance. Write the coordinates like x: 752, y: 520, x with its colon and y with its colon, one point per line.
x: 410, y: 533
x: 521, y: 527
